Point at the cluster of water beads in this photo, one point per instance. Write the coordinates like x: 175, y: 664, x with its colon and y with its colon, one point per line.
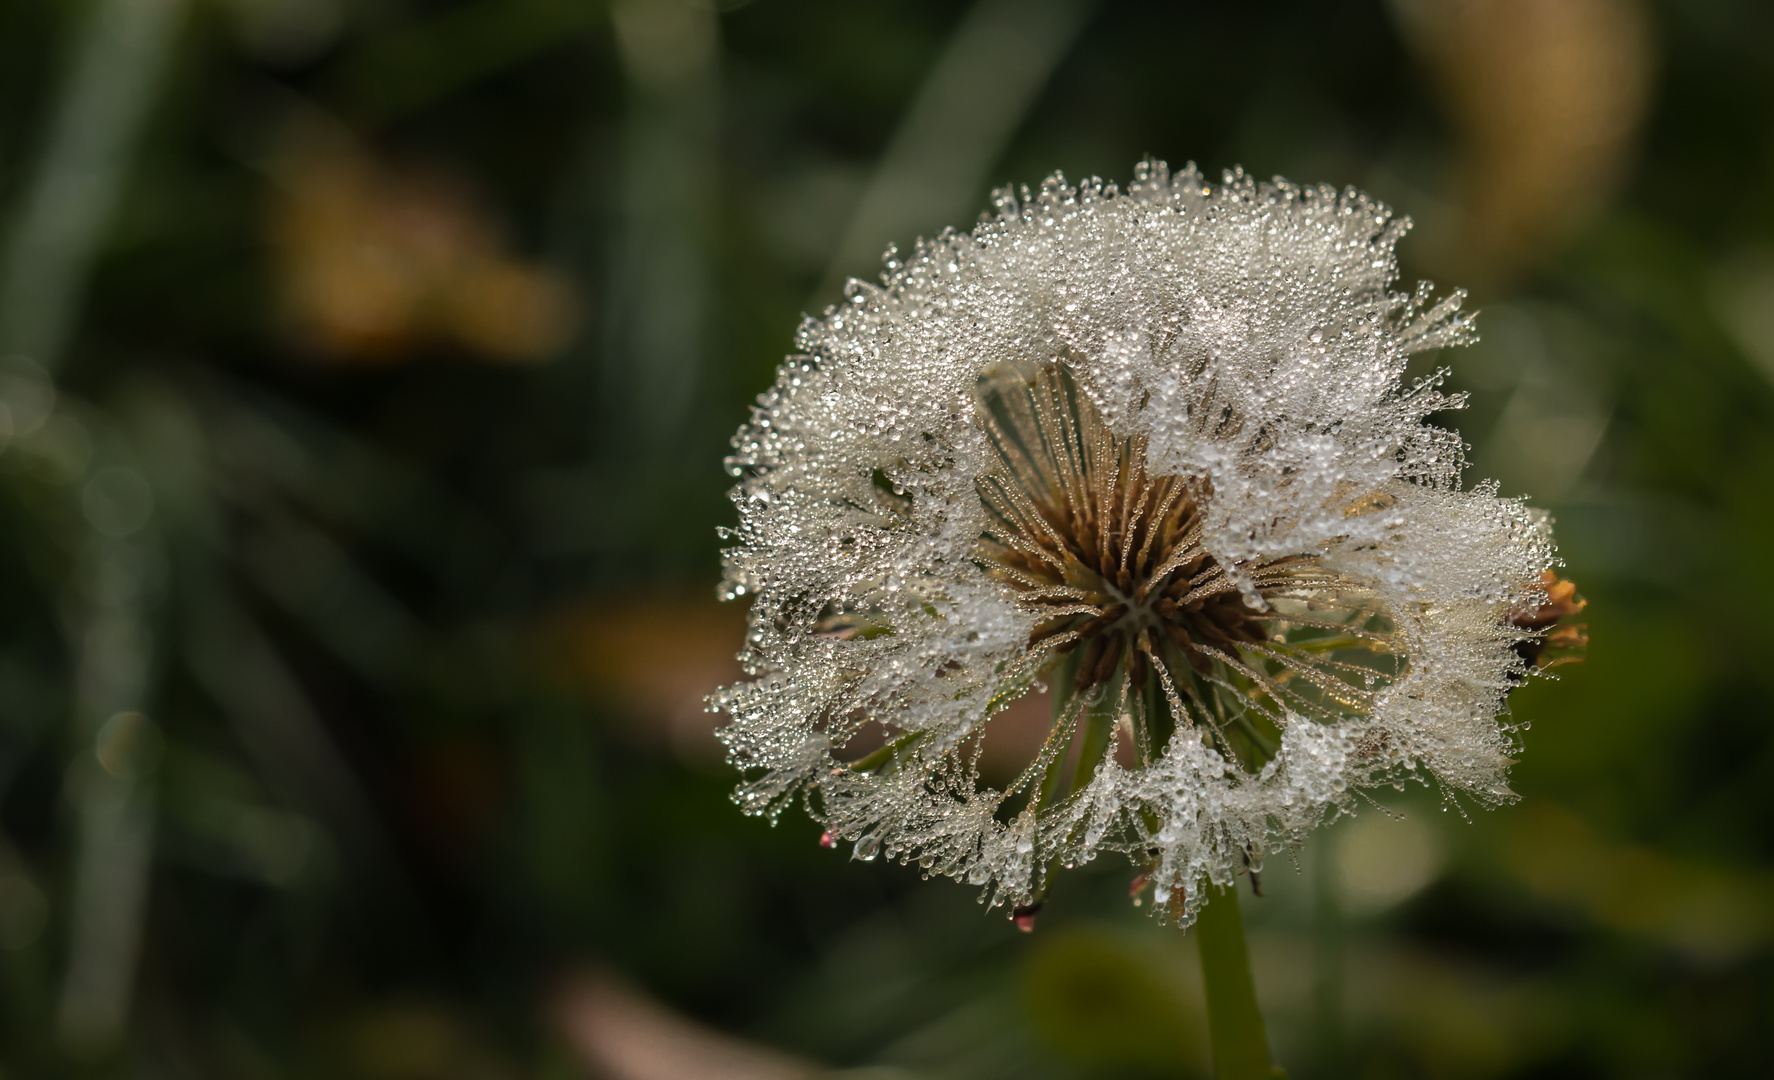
x: 1245, y: 338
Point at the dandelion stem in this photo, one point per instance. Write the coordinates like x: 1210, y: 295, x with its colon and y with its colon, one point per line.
x: 1327, y: 959
x: 1065, y: 703
x: 1234, y: 1023
x: 1099, y: 727
x: 883, y: 755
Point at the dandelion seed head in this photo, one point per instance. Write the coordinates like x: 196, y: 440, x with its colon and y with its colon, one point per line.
x: 1153, y: 447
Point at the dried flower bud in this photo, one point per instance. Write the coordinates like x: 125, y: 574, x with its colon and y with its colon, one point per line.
x: 1552, y: 640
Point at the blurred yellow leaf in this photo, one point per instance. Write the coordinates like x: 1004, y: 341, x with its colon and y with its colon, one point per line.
x: 374, y: 263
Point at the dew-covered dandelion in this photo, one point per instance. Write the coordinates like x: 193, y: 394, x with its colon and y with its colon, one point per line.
x: 1152, y: 450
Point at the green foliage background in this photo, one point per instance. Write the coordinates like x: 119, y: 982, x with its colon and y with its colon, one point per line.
x: 394, y: 617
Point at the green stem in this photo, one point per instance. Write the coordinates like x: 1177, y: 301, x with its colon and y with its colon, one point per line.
x: 886, y: 753
x: 1234, y: 1023
x: 1099, y: 726
x: 1064, y: 683
x: 1064, y: 678
x: 1327, y: 959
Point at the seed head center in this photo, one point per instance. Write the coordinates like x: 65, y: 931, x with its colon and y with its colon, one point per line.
x: 1109, y: 555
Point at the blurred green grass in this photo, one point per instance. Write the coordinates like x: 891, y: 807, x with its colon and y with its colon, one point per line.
x: 417, y: 610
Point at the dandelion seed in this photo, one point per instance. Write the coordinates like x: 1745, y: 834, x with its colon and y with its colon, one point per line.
x: 1154, y: 449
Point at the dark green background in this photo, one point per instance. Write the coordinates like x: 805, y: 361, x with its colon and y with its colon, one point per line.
x: 456, y: 580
